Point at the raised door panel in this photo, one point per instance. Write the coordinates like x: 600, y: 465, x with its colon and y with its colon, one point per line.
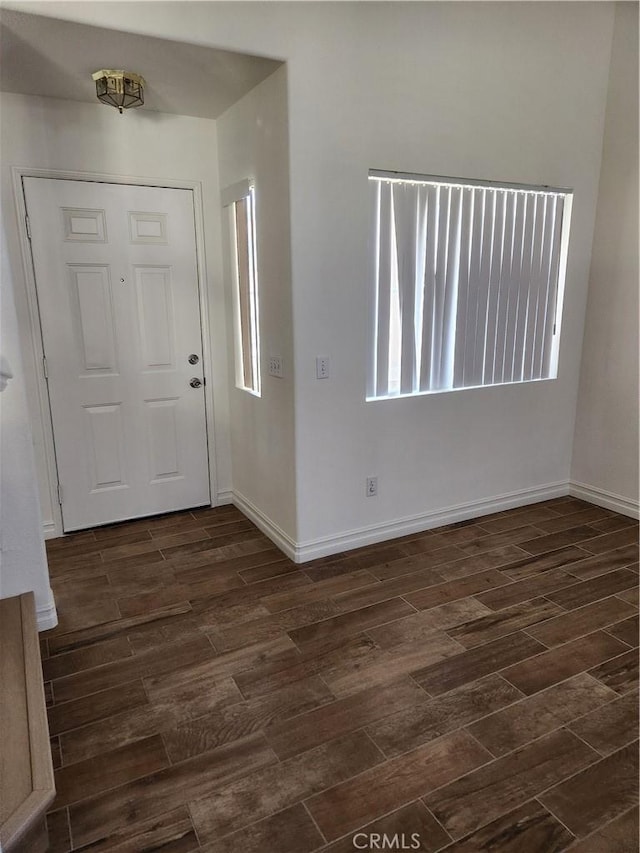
x: 105, y: 447
x: 155, y: 317
x: 93, y: 317
x: 162, y: 430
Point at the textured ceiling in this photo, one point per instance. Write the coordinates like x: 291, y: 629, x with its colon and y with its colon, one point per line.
x: 54, y: 58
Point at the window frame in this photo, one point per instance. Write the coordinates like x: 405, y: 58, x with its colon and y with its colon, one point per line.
x: 374, y: 289
x: 246, y: 334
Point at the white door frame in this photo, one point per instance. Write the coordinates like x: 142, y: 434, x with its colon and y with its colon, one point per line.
x: 34, y: 330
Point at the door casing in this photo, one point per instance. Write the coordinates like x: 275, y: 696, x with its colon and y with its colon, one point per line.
x: 34, y: 328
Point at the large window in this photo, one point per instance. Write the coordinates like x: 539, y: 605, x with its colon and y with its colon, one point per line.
x: 240, y: 200
x: 468, y: 281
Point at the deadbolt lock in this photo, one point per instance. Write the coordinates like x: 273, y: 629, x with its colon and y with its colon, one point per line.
x: 193, y: 358
x: 195, y: 382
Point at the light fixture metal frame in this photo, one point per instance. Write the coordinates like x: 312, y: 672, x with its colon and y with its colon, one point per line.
x: 118, y: 88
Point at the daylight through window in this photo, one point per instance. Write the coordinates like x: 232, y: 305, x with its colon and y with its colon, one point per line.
x: 244, y: 269
x: 468, y: 281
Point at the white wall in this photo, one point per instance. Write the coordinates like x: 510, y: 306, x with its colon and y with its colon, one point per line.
x: 504, y: 91
x: 253, y: 143
x: 511, y: 92
x: 605, y: 454
x: 56, y: 134
x: 23, y: 562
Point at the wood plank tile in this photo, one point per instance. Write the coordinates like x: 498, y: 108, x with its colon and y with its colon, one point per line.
x: 619, y: 673
x: 171, y: 629
x: 629, y: 595
x: 627, y: 631
x: 384, y: 665
x: 296, y: 664
x: 599, y: 564
x: 357, y: 801
x: 56, y: 752
x: 96, y: 819
x: 470, y: 665
x: 560, y: 663
x: 152, y: 545
x: 59, y: 832
x: 138, y: 580
x: 234, y: 721
x: 170, y: 833
x: 618, y: 836
x: 84, y: 602
x: 615, y: 522
x: 350, y: 624
x: 598, y: 794
x: 219, y: 546
x: 610, y: 726
x: 288, y: 831
x: 581, y: 621
x: 410, y: 727
x: 109, y: 770
x: 502, y: 622
x: 529, y: 565
x: 384, y: 590
x: 134, y: 605
x: 316, y: 592
x: 517, y: 536
x: 152, y: 662
x: 525, y: 589
x: 413, y: 826
x: 585, y: 592
x: 408, y: 564
x: 564, y: 522
x: 418, y: 625
x: 268, y: 569
x: 87, y: 657
x: 291, y: 737
x: 528, y: 829
x: 495, y: 559
x: 273, y: 626
x: 79, y: 712
x: 453, y: 590
x: 510, y: 519
x: 65, y: 642
x: 609, y: 541
x: 508, y: 782
x: 168, y: 709
x: 235, y: 805
x: 553, y: 541
x: 537, y: 715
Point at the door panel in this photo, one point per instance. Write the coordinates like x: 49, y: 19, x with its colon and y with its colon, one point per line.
x: 116, y: 276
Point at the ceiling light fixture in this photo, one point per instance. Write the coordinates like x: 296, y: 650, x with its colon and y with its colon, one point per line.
x: 119, y: 89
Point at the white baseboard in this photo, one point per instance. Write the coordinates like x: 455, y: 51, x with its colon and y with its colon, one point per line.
x: 414, y: 524
x: 608, y: 500
x: 47, y: 616
x: 267, y: 526
x: 225, y: 497
x: 302, y: 552
x: 50, y: 530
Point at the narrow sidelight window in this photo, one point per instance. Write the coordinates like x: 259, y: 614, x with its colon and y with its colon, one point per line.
x: 240, y: 200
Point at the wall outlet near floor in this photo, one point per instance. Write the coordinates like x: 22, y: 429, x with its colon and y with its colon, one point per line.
x: 322, y: 367
x: 275, y: 366
x: 372, y: 487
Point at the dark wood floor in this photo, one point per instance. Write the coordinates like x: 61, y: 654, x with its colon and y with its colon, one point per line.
x: 476, y: 684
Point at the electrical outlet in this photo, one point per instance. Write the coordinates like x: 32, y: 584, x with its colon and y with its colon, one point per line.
x: 275, y: 366
x: 372, y: 487
x: 322, y: 367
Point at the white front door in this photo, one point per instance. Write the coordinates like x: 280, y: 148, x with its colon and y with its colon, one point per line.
x: 117, y: 285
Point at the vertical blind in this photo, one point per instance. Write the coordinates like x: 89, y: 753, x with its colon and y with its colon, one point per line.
x: 467, y: 281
